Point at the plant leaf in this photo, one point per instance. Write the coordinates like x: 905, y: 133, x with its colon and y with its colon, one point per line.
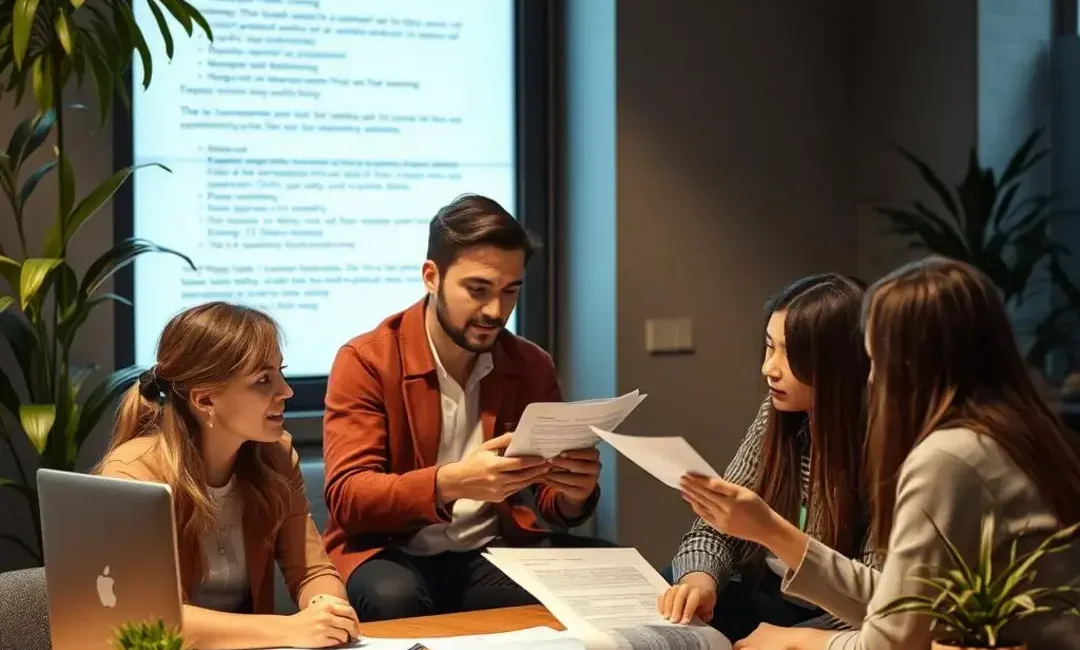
x: 179, y: 13
x: 101, y: 399
x: 1022, y: 160
x: 103, y: 78
x: 77, y: 3
x: 19, y: 137
x: 80, y: 372
x: 921, y: 604
x: 123, y: 9
x: 986, y: 550
x: 40, y: 126
x: 9, y: 270
x: 32, y: 182
x: 69, y: 327
x: 197, y: 17
x: 34, y: 272
x: 42, y: 82
x: 5, y: 302
x: 24, y: 346
x: 93, y: 201
x: 163, y: 27
x: 67, y: 182
x: 118, y: 257
x: 37, y: 420
x: 22, y: 23
x: 63, y: 32
x: 934, y: 181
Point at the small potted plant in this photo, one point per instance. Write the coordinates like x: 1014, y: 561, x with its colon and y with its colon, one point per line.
x: 975, y: 604
x: 147, y: 636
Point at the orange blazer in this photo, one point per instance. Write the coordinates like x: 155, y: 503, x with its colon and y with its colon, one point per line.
x: 381, y: 434
x: 293, y: 541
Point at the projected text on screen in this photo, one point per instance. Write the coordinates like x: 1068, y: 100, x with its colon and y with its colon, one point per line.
x: 310, y: 144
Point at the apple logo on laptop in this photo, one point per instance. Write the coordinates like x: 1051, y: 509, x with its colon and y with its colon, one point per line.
x: 105, y: 589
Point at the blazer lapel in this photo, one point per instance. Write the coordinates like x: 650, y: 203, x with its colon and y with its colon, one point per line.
x: 498, y: 392
x: 423, y: 406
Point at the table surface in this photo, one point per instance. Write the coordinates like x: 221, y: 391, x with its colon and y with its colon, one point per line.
x: 489, y: 621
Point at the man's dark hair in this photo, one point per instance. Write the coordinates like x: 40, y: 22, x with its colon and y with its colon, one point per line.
x: 473, y: 220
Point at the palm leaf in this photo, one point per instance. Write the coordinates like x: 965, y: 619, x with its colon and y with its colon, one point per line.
x: 906, y: 222
x: 1022, y: 160
x: 163, y: 27
x: 32, y: 181
x: 37, y: 420
x: 32, y: 277
x: 89, y: 206
x: 180, y: 13
x: 123, y: 10
x: 968, y: 578
x: 118, y: 257
x: 986, y: 549
x: 22, y: 23
x: 935, y: 183
x: 102, y: 398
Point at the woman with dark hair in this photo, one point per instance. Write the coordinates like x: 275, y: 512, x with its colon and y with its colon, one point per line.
x: 957, y: 430
x: 802, y: 454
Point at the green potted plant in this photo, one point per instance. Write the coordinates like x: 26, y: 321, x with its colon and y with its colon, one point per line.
x: 1001, y: 227
x: 147, y: 636
x: 48, y: 47
x: 975, y: 605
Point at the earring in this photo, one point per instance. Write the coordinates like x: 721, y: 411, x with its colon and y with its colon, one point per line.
x: 210, y: 422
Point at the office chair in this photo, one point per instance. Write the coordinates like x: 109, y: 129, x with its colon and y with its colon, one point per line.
x: 24, y: 610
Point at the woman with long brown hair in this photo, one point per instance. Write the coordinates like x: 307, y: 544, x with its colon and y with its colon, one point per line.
x: 208, y: 420
x: 957, y: 430
x: 802, y: 453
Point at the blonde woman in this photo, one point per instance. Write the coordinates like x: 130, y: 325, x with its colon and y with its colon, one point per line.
x: 208, y: 420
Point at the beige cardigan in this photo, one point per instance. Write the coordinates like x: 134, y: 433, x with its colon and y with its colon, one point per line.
x: 954, y: 476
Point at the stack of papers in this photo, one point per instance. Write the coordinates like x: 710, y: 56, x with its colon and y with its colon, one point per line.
x: 547, y: 429
x: 605, y: 597
x: 541, y: 638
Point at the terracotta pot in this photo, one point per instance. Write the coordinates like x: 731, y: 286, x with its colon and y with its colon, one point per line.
x: 938, y: 645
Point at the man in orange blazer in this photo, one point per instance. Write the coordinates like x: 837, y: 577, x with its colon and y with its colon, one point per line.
x: 417, y: 414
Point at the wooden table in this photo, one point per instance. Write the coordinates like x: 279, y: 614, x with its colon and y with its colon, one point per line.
x: 489, y: 621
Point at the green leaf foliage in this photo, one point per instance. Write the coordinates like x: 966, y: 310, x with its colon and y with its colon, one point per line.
x: 977, y: 602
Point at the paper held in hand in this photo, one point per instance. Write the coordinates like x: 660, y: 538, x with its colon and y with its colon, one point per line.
x: 547, y: 429
x: 668, y: 459
x: 605, y: 597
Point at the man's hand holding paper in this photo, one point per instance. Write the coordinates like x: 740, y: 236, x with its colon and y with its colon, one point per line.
x: 486, y: 475
x: 547, y: 429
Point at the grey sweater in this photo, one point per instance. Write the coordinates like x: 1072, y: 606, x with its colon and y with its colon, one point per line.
x: 709, y: 551
x: 953, y: 476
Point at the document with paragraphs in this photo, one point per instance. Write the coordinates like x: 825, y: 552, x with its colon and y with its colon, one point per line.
x: 604, y: 597
x: 547, y: 429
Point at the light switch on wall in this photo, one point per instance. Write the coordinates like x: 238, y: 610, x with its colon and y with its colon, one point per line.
x: 669, y: 336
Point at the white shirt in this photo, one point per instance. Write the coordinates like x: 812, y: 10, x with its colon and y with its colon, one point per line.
x: 473, y: 523
x: 226, y: 585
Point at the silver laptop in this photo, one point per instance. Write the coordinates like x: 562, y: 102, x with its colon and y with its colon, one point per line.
x: 110, y: 556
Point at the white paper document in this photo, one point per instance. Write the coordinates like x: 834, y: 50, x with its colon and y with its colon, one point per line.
x: 668, y: 459
x: 605, y: 597
x: 540, y: 638
x: 547, y: 429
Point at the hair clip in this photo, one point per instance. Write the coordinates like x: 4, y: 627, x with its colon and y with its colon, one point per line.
x: 153, y: 387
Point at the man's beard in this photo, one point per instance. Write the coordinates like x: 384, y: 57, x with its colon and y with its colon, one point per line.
x: 456, y: 334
